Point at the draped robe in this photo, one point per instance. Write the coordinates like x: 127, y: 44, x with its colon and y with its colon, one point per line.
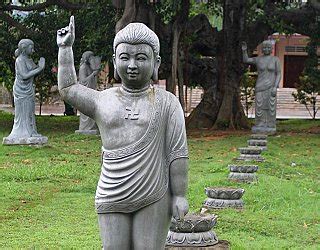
x: 135, y: 171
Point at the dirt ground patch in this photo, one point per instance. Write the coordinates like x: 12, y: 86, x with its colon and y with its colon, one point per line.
x: 211, y: 134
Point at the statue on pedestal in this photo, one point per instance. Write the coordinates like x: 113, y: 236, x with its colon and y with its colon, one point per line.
x: 24, y: 131
x: 143, y: 177
x: 269, y: 76
x: 88, y: 76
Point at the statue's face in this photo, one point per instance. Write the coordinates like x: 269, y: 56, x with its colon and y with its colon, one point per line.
x: 134, y: 64
x: 266, y: 49
x: 29, y: 49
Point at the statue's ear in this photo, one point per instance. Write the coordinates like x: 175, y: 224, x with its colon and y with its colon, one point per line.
x: 115, y: 72
x: 156, y: 68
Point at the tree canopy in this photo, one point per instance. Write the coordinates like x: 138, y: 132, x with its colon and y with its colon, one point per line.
x: 200, y: 40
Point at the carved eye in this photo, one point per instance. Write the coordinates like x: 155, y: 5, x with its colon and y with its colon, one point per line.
x: 124, y: 58
x: 141, y: 58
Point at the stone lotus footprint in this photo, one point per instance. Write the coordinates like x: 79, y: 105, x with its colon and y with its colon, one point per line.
x: 193, y: 230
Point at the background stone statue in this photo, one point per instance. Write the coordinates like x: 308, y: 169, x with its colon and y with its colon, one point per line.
x: 88, y: 76
x: 269, y: 76
x: 143, y: 177
x: 24, y: 129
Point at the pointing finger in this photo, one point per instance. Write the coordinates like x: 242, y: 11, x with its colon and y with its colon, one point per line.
x: 71, y: 24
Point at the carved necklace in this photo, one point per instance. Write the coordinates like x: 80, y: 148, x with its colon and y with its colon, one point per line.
x: 132, y: 113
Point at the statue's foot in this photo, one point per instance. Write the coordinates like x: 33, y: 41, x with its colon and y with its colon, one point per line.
x: 88, y: 132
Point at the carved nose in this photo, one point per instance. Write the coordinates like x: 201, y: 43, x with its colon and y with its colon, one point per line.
x: 132, y: 65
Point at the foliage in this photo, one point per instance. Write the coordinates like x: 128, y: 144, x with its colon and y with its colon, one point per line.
x: 47, y: 193
x: 247, y: 94
x: 6, y: 76
x: 94, y: 31
x: 309, y: 87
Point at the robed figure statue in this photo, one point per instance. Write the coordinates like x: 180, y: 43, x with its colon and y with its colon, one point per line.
x: 143, y: 177
x: 269, y: 76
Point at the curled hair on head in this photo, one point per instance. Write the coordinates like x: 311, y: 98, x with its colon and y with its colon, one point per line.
x: 137, y: 33
x: 85, y: 57
x: 22, y: 45
x: 267, y: 43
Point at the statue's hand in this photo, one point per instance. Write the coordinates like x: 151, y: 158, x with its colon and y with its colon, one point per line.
x: 180, y: 207
x: 66, y: 36
x: 274, y: 91
x: 41, y: 63
x: 244, y: 46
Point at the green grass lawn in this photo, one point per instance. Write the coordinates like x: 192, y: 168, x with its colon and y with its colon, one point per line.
x: 47, y: 193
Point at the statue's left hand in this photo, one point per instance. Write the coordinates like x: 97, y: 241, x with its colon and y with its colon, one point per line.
x: 42, y: 63
x: 180, y: 207
x: 274, y: 92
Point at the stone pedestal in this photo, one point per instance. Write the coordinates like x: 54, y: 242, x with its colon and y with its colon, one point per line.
x: 195, y: 230
x: 221, y: 245
x: 243, y: 173
x: 250, y: 154
x: 223, y: 197
x: 258, y: 137
x: 87, y: 132
x: 39, y: 140
x: 258, y: 143
x: 264, y: 130
x: 258, y: 140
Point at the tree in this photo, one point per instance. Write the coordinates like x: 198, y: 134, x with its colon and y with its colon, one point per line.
x: 309, y: 87
x: 41, y: 25
x: 197, y: 46
x: 192, y: 49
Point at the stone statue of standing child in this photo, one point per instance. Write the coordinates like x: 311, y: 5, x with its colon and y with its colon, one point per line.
x: 143, y: 179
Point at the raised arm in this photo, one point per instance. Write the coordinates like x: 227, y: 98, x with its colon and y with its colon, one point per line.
x: 23, y: 71
x: 245, y: 57
x: 82, y: 98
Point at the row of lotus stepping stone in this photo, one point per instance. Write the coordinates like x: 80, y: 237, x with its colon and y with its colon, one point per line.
x: 247, y: 172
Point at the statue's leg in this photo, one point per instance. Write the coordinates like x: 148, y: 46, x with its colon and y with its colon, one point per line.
x: 151, y: 225
x: 115, y: 230
x: 258, y: 109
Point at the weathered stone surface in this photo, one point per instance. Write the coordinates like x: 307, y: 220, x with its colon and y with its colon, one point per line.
x: 258, y: 143
x: 243, y: 173
x: 226, y: 193
x: 243, y: 177
x: 143, y: 179
x: 24, y: 129
x: 264, y: 130
x: 250, y: 150
x: 243, y: 168
x: 269, y: 76
x: 88, y: 77
x: 221, y: 245
x: 259, y: 137
x: 222, y: 203
x: 223, y: 197
x: 248, y: 157
x: 193, y: 231
x: 40, y: 140
x: 87, y: 132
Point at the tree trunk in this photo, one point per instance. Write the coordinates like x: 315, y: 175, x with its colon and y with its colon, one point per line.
x: 231, y: 114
